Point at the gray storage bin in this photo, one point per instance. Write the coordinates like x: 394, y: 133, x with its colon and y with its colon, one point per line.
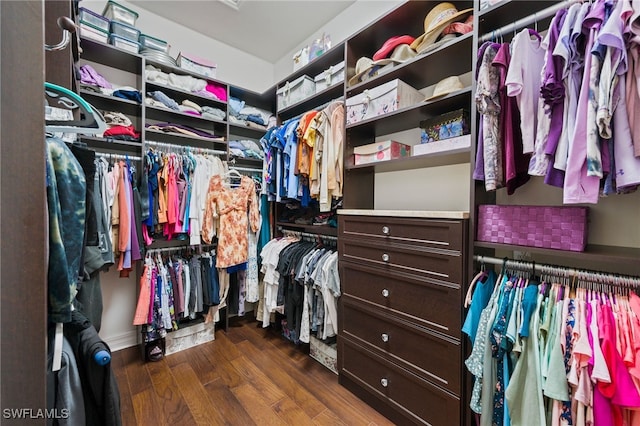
x: 91, y: 17
x: 119, y: 13
x: 148, y: 42
x: 125, y: 31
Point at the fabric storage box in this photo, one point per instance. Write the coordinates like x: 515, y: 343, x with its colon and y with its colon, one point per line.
x: 117, y: 12
x: 553, y: 227
x: 295, y: 91
x: 88, y: 30
x: 301, y: 58
x: 196, y: 64
x: 461, y: 142
x: 333, y: 75
x: 325, y: 354
x: 148, y: 42
x: 381, y: 100
x: 124, y: 31
x: 94, y: 19
x: 380, y: 151
x: 449, y: 125
x: 123, y: 43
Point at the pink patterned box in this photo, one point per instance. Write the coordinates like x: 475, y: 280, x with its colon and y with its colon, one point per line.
x: 562, y: 228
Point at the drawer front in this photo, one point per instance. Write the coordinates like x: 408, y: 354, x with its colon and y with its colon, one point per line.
x: 442, y: 265
x: 432, y: 356
x: 437, y: 233
x: 432, y: 303
x: 417, y: 399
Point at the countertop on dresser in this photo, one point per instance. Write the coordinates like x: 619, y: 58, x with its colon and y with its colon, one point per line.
x: 433, y: 214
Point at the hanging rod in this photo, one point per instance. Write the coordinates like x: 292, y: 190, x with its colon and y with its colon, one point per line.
x: 245, y: 169
x: 118, y: 156
x: 315, y: 108
x: 294, y: 233
x: 185, y: 147
x: 554, y: 269
x: 179, y: 248
x: 524, y: 22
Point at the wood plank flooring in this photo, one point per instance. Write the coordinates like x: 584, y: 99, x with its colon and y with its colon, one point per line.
x: 247, y: 376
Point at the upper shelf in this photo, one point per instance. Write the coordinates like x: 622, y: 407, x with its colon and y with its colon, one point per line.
x: 111, y: 56
x: 421, y: 71
x: 330, y: 57
x: 334, y: 92
x: 181, y: 71
x: 410, y: 117
x: 507, y: 12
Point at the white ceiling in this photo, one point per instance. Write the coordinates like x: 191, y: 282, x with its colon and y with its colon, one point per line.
x: 268, y: 29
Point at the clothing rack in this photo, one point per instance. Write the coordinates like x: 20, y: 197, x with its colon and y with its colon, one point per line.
x: 118, y: 156
x: 526, y: 21
x: 172, y: 146
x: 317, y: 108
x: 292, y: 233
x: 561, y: 271
x: 246, y: 169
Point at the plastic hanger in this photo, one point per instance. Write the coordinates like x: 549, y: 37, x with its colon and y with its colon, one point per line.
x: 92, y: 122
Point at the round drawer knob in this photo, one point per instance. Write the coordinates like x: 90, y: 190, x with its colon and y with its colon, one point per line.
x: 384, y: 337
x: 386, y: 230
x: 385, y: 257
x: 385, y: 292
x: 384, y: 382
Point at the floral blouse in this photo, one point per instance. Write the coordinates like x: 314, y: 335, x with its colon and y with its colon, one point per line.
x: 228, y: 207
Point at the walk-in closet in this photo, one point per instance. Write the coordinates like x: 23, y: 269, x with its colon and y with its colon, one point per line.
x: 357, y: 212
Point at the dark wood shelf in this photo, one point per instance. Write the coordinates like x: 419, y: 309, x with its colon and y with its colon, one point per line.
x: 331, y: 57
x: 420, y: 72
x: 172, y: 116
x: 311, y: 229
x: 114, y: 145
x: 509, y: 11
x: 186, y: 140
x: 454, y: 156
x: 175, y: 243
x: 245, y: 131
x: 179, y: 95
x: 333, y: 92
x: 264, y: 100
x: 111, y: 56
x: 112, y: 103
x: 177, y: 70
x: 245, y: 162
x: 612, y: 256
x: 411, y: 116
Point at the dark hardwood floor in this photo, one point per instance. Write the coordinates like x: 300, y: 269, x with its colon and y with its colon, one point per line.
x: 247, y: 376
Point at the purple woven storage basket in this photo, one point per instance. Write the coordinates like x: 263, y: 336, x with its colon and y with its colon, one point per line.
x: 562, y: 228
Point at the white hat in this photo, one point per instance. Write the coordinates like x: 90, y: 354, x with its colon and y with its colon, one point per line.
x: 446, y: 86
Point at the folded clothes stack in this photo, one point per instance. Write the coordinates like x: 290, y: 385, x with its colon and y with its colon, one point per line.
x: 240, y: 113
x: 159, y: 99
x: 246, y: 149
x: 197, y: 86
x: 93, y: 81
x: 120, y: 127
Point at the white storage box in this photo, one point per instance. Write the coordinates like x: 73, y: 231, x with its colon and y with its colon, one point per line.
x: 117, y: 12
x: 380, y: 151
x: 123, y: 43
x: 444, y: 145
x: 381, y: 100
x: 324, y: 353
x: 196, y: 64
x: 88, y: 30
x: 91, y: 17
x: 295, y: 91
x: 333, y: 75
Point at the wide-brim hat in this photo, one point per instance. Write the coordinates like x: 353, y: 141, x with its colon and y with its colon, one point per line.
x: 390, y: 45
x: 402, y: 53
x: 436, y: 21
x: 445, y: 86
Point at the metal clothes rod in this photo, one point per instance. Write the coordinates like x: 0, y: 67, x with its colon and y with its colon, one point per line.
x: 185, y: 147
x: 556, y: 270
x: 179, y: 248
x: 118, y: 156
x: 245, y: 169
x: 293, y: 233
x: 524, y: 22
x: 315, y: 108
